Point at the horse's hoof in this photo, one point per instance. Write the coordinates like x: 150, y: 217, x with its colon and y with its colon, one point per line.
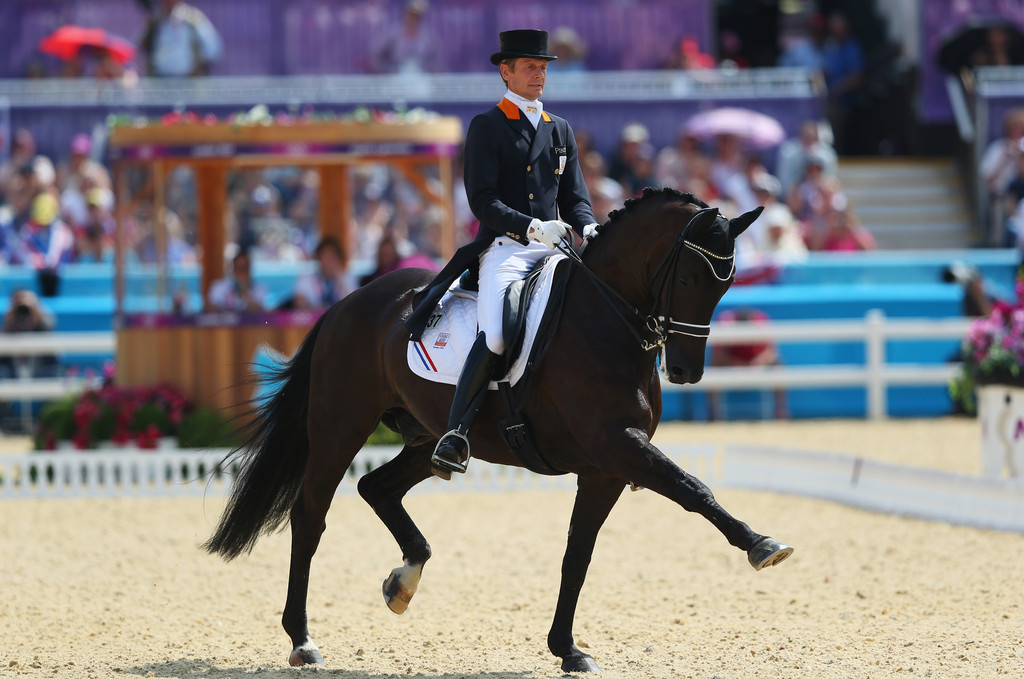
x: 306, y: 654
x: 579, y: 663
x: 768, y: 552
x: 399, y: 587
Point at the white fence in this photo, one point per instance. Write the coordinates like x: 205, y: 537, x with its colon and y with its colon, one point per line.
x: 137, y: 473
x: 876, y: 375
x: 955, y: 498
x: 874, y: 330
x: 25, y: 388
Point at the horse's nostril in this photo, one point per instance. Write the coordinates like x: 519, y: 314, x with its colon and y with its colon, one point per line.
x: 676, y: 371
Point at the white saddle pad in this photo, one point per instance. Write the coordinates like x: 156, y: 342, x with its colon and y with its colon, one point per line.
x: 439, y: 354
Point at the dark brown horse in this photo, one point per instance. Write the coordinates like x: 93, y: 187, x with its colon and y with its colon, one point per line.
x: 595, y: 403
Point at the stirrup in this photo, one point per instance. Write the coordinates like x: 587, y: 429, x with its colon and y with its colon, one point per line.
x: 447, y: 465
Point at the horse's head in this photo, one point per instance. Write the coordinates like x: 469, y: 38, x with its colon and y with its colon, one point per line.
x: 676, y: 258
x: 704, y: 267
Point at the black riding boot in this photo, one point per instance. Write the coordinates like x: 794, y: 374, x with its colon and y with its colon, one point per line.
x: 452, y: 452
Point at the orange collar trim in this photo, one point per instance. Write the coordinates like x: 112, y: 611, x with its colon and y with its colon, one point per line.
x: 512, y: 111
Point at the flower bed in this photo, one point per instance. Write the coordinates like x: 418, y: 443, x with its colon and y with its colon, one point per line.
x: 139, y: 416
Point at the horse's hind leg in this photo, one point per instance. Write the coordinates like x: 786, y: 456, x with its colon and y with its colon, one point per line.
x: 334, y: 443
x: 383, y: 489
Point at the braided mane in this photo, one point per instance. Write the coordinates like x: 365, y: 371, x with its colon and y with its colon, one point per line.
x: 649, y: 194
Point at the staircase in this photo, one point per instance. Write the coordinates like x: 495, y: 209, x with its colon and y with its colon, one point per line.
x: 910, y: 203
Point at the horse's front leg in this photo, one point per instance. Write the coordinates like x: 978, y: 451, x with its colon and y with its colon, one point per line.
x: 647, y: 466
x: 595, y: 497
x: 383, y: 489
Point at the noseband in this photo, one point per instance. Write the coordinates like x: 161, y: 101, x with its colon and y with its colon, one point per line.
x: 659, y: 326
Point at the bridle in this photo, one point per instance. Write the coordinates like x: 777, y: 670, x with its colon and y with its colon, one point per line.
x: 659, y: 326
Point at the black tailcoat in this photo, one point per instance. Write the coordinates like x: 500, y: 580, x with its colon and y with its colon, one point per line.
x: 513, y: 174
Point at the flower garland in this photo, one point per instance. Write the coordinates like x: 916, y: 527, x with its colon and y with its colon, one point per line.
x: 261, y: 115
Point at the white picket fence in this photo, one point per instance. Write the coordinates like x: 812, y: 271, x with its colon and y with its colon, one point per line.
x: 996, y: 504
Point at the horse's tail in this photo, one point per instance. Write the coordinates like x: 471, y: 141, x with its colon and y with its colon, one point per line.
x: 272, y: 460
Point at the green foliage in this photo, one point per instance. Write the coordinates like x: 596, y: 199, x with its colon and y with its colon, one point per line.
x: 207, y: 428
x: 382, y: 436
x: 56, y: 422
x: 151, y: 414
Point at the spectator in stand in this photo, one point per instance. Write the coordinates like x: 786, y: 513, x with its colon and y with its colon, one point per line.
x: 237, y: 291
x: 329, y: 283
x: 26, y: 314
x: 783, y: 242
x: 688, y: 57
x: 25, y: 176
x: 606, y: 194
x: 801, y: 46
x: 843, y: 67
x: 999, y: 49
x: 843, y: 231
x: 731, y: 51
x: 632, y: 138
x: 755, y: 354
x: 388, y: 259
x: 677, y: 165
x: 410, y: 48
x: 999, y: 168
x: 45, y: 243
x: 94, y: 240
x: 810, y: 199
x: 793, y: 155
x: 729, y: 173
x: 179, y: 41
x: 766, y: 188
x: 568, y: 46
x: 76, y: 177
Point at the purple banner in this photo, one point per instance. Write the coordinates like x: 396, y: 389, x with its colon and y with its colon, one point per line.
x: 939, y: 18
x: 291, y: 37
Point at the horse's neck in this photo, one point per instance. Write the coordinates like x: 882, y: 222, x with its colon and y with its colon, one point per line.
x: 619, y: 263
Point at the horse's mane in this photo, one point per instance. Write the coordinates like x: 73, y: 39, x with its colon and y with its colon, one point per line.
x: 650, y: 194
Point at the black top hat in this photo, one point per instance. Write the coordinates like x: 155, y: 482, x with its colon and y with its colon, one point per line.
x: 524, y: 43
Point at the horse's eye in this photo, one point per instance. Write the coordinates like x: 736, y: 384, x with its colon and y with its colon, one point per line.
x: 685, y: 281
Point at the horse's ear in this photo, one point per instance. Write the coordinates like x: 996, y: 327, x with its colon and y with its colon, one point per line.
x: 738, y: 225
x: 701, y: 222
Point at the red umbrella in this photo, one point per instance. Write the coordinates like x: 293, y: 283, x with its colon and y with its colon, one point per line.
x: 67, y: 41
x: 756, y: 128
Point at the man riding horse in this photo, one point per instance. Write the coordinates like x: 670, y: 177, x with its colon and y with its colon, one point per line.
x: 524, y: 185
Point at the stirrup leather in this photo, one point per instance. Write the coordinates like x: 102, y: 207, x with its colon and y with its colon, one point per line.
x: 446, y: 463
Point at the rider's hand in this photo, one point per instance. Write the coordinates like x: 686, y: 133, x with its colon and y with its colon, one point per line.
x: 590, y: 231
x: 547, y: 233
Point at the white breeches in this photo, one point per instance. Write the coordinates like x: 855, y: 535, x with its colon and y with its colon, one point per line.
x: 503, y: 262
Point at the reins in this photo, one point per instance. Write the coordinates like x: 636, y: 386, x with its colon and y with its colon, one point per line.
x: 659, y: 326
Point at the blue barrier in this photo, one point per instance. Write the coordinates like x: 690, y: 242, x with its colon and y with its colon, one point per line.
x: 826, y: 286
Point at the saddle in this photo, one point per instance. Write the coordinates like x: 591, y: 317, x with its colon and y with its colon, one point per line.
x: 438, y: 353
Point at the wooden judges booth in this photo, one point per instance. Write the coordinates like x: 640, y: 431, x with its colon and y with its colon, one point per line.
x: 207, y: 354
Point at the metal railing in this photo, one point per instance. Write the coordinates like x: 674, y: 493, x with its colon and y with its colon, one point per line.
x: 427, y: 89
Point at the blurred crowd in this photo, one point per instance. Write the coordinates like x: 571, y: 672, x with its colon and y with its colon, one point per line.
x: 59, y: 210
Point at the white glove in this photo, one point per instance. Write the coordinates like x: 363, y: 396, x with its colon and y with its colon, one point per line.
x: 547, y: 233
x: 590, y: 231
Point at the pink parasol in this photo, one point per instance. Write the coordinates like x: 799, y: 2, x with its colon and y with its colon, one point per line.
x: 756, y: 128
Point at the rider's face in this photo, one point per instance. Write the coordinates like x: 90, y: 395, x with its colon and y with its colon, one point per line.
x: 526, y: 76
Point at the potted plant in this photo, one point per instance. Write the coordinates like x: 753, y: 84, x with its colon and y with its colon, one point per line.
x: 991, y: 383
